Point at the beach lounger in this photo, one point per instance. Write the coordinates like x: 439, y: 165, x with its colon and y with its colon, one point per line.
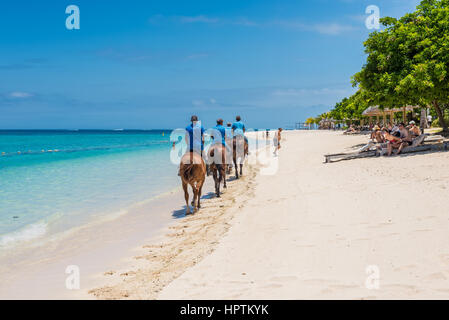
x: 422, y: 143
x: 348, y: 156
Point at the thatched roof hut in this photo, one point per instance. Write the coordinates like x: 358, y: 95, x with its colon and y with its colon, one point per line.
x: 376, y: 111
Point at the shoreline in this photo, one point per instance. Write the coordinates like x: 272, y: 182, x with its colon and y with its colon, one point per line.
x: 187, y: 242
x: 105, y: 244
x: 94, y: 247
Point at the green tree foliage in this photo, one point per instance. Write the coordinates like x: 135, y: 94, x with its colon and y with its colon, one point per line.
x: 407, y: 64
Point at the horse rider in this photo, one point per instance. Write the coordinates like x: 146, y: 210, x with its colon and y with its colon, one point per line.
x: 239, y: 129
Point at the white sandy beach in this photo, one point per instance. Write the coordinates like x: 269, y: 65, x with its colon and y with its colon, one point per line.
x: 308, y: 232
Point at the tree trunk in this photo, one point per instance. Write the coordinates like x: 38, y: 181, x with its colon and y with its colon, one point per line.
x: 441, y: 119
x: 423, y: 120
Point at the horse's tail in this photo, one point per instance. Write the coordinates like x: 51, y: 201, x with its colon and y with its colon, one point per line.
x: 188, y: 171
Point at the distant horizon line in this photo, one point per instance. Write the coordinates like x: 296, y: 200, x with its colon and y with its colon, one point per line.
x: 88, y: 129
x: 116, y: 130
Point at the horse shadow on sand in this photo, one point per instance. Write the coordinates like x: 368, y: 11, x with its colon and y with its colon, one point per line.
x: 181, y: 213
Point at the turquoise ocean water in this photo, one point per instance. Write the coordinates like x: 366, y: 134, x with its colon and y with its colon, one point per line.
x: 52, y: 181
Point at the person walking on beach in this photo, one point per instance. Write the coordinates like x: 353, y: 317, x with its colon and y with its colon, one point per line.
x: 277, y: 141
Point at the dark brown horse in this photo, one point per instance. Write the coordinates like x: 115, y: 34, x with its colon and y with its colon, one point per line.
x: 193, y: 172
x: 217, y: 165
x: 239, y: 152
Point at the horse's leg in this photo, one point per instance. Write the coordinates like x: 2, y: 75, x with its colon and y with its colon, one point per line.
x: 193, y: 190
x: 186, y: 196
x: 223, y: 168
x: 241, y: 166
x: 195, y: 195
x: 236, y: 169
x: 220, y: 176
x: 224, y: 177
x: 217, y: 182
x: 200, y: 189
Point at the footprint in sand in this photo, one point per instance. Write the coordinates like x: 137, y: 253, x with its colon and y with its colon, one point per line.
x: 284, y: 278
x: 443, y: 290
x: 404, y: 287
x: 392, y: 234
x: 344, y: 286
x: 444, y: 258
x: 318, y: 281
x: 436, y: 276
x: 421, y: 230
x: 369, y: 298
x: 272, y: 286
x: 407, y: 267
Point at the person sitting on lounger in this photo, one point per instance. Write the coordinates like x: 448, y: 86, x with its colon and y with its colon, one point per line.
x: 393, y: 142
x: 351, y: 129
x: 373, y: 133
x: 377, y: 134
x: 389, y: 127
x: 414, y: 130
x: 406, y: 137
x: 395, y: 131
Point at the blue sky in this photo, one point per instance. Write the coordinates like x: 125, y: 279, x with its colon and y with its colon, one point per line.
x: 151, y: 64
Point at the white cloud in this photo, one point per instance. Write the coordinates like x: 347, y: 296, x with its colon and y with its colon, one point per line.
x: 333, y: 28
x: 200, y: 18
x: 197, y: 103
x: 20, y: 95
x: 302, y: 92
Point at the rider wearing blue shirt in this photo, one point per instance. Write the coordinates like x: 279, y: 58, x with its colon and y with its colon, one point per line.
x: 238, y: 127
x: 195, y: 136
x: 228, y: 131
x: 220, y: 132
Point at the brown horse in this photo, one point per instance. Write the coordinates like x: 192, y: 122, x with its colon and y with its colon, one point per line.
x: 217, y: 164
x: 192, y: 171
x: 239, y: 152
